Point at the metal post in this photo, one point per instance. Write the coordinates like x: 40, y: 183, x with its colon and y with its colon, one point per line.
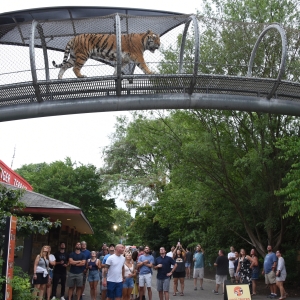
x: 119, y: 54
x: 46, y: 62
x: 197, y: 53
x: 283, y: 55
x: 32, y: 62
x: 186, y: 27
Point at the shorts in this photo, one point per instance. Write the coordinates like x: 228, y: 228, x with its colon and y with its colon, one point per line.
x: 231, y: 272
x: 145, y: 279
x: 282, y: 277
x: 179, y: 274
x: 255, y: 274
x: 93, y: 275
x: 220, y: 279
x: 114, y: 289
x: 187, y: 265
x: 163, y: 285
x: 50, y: 272
x: 270, y: 278
x: 75, y: 279
x: 128, y: 283
x: 198, y: 273
x: 84, y: 277
x: 40, y: 279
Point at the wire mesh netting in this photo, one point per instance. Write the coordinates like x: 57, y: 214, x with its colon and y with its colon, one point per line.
x: 224, y: 50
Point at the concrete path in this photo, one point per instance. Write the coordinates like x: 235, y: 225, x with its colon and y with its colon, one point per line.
x: 189, y: 292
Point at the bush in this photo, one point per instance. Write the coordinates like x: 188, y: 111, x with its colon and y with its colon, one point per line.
x: 21, y: 286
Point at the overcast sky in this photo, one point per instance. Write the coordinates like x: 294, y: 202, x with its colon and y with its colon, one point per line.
x: 80, y: 137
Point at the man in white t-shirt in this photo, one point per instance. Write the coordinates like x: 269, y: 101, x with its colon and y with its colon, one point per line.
x: 113, y: 274
x: 231, y: 258
x: 170, y: 254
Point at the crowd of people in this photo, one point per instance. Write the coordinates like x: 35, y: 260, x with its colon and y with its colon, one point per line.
x: 126, y: 272
x: 245, y: 269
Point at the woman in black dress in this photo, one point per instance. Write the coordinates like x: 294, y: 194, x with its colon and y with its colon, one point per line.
x: 40, y: 273
x: 244, y: 269
x: 179, y: 273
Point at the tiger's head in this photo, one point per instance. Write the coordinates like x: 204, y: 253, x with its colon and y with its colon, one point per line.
x: 152, y: 42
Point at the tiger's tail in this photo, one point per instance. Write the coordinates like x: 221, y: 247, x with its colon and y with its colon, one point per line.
x: 66, y: 55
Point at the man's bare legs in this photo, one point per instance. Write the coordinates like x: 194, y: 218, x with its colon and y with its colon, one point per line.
x: 162, y: 294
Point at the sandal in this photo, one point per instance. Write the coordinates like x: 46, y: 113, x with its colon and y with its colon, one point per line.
x: 174, y: 294
x: 181, y: 294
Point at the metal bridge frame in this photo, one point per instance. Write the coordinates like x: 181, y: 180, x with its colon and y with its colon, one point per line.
x: 190, y: 96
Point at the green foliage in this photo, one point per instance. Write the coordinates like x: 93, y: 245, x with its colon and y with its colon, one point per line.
x: 146, y: 230
x: 21, y: 285
x: 208, y: 168
x: 78, y: 185
x: 122, y: 221
x: 290, y: 189
x: 10, y: 204
x: 214, y: 174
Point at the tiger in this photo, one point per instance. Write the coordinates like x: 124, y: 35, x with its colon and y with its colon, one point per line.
x: 84, y: 46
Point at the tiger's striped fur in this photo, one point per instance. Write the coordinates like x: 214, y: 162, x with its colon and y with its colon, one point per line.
x: 84, y: 46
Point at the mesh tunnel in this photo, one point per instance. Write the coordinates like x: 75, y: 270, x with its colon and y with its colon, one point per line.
x: 189, y: 63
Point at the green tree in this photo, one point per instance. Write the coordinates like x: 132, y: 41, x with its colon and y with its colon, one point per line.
x: 216, y: 167
x: 290, y: 149
x: 209, y: 167
x: 122, y: 222
x: 78, y: 185
x: 11, y: 205
x: 146, y: 230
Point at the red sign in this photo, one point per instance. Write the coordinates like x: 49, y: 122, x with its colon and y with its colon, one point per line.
x: 10, y: 256
x: 8, y: 176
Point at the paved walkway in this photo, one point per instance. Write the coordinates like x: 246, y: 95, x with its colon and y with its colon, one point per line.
x: 189, y: 293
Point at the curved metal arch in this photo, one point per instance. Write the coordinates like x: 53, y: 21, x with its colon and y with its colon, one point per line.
x: 35, y: 25
x: 197, y: 50
x: 283, y: 55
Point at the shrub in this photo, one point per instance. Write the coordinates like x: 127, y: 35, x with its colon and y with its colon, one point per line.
x: 21, y: 286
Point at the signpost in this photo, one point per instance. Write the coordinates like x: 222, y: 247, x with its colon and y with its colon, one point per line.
x: 8, y: 255
x: 238, y: 292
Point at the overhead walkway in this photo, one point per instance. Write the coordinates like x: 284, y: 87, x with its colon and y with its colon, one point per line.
x: 29, y: 87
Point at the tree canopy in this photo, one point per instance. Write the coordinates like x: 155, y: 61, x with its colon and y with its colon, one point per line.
x: 217, y: 176
x: 76, y: 184
x: 11, y: 205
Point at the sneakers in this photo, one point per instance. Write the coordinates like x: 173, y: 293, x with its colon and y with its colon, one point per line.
x: 215, y: 292
x: 195, y: 289
x: 62, y: 298
x: 53, y: 298
x: 201, y: 288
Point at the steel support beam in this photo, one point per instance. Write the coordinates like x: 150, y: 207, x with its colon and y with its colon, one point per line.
x: 146, y: 102
x: 119, y: 54
x: 197, y: 49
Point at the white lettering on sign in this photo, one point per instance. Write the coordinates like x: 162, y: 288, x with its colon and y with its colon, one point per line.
x: 18, y: 184
x: 5, y: 176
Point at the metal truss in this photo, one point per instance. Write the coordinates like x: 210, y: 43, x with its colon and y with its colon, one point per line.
x: 38, y: 98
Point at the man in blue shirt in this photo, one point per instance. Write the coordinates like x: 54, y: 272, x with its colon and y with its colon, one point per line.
x: 87, y: 254
x: 163, y: 265
x: 145, y: 264
x: 77, y: 262
x: 270, y: 263
x: 198, y: 267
